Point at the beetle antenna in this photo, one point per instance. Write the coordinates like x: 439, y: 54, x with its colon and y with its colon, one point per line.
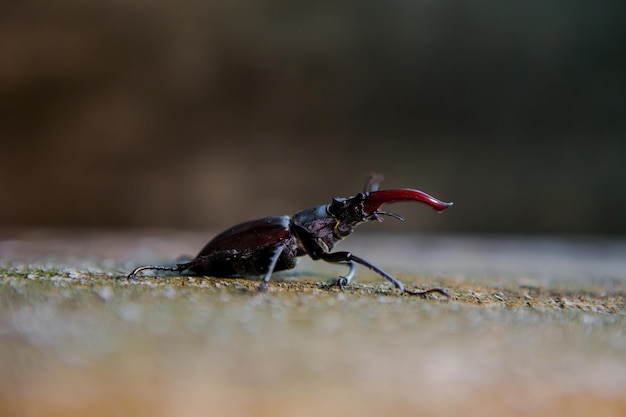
x: 379, y: 213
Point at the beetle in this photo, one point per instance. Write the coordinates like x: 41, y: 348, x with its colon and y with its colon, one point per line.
x: 269, y: 244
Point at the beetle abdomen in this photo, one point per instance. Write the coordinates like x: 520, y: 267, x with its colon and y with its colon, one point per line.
x: 252, y: 235
x: 247, y: 248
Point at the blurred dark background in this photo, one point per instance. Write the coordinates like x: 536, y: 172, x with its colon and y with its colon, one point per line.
x: 200, y: 114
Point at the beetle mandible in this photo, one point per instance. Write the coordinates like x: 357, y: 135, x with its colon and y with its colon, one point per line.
x: 262, y: 246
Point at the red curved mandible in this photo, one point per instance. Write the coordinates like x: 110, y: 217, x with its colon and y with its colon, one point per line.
x: 375, y: 199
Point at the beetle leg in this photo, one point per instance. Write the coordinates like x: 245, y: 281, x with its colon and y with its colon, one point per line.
x: 176, y: 268
x: 345, y: 279
x: 180, y: 267
x: 345, y: 257
x: 372, y: 182
x: 270, y: 268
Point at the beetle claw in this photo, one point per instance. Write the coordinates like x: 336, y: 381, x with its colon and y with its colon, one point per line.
x: 342, y: 282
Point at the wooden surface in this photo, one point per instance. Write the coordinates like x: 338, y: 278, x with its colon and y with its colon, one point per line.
x: 535, y: 326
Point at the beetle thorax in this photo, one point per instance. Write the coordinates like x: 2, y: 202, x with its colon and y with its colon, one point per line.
x: 318, y: 225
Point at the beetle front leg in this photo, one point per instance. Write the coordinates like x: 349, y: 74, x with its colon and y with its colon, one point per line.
x: 347, y: 257
x: 344, y: 280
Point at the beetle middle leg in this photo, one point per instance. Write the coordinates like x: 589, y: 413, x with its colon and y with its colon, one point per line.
x: 271, y: 267
x: 348, y: 257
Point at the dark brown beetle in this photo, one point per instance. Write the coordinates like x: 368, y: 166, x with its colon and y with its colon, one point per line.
x: 262, y: 246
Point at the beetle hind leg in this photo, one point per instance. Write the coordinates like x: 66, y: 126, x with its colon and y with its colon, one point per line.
x: 180, y: 267
x: 176, y: 268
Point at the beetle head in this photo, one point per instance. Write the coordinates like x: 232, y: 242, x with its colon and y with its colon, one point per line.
x: 348, y: 212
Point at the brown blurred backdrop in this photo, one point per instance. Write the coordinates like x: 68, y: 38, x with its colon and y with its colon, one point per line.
x: 199, y: 114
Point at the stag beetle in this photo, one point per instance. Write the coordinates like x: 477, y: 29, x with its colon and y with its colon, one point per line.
x: 262, y: 246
